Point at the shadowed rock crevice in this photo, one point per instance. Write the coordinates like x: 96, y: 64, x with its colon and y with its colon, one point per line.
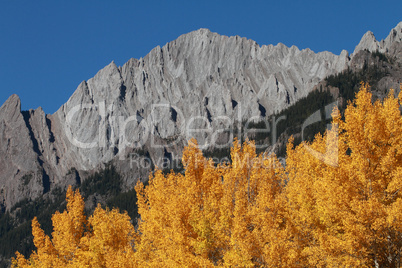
x: 49, y: 125
x: 45, y: 177
x: 234, y: 104
x: 27, y: 116
x: 45, y: 180
x: 173, y: 114
x: 263, y: 111
x: 123, y: 92
x: 209, y: 116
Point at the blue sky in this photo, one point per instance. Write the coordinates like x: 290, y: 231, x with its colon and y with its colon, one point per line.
x: 48, y: 47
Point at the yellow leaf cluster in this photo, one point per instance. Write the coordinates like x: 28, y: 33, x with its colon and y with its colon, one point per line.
x: 349, y: 214
x: 336, y: 203
x: 105, y: 239
x: 225, y: 214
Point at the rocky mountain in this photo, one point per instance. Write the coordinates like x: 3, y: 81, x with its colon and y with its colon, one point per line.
x: 391, y: 64
x: 201, y: 85
x: 388, y: 45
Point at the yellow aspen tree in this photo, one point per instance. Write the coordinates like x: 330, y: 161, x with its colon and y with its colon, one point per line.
x: 166, y: 206
x: 347, y: 214
x: 106, y: 239
x: 212, y: 215
x: 271, y: 231
x: 110, y: 242
x: 68, y: 228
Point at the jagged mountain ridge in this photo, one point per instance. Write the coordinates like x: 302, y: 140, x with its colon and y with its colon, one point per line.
x: 204, y: 75
x: 201, y: 68
x: 388, y: 45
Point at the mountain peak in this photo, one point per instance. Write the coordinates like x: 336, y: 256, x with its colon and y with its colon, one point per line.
x: 12, y: 104
x: 395, y: 34
x: 197, y: 33
x: 398, y: 27
x: 370, y: 43
x: 203, y: 31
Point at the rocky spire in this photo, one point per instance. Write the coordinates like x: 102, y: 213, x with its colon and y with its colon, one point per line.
x: 370, y: 43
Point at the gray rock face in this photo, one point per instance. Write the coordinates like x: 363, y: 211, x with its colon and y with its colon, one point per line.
x: 201, y: 81
x: 370, y: 43
x: 196, y: 86
x: 21, y: 170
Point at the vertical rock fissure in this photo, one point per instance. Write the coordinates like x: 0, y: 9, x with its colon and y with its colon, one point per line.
x: 45, y: 177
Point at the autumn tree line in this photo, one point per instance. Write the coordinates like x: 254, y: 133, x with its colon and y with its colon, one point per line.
x: 336, y: 203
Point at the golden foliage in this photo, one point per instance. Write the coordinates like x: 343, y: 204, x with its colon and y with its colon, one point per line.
x: 337, y: 203
x: 228, y: 214
x: 104, y: 240
x: 349, y: 214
